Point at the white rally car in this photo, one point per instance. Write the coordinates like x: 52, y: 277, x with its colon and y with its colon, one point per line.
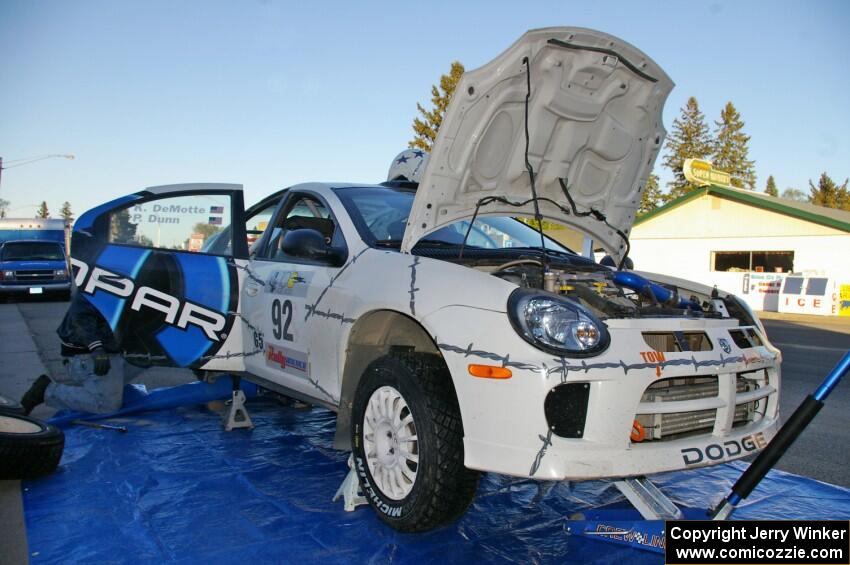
x: 449, y: 337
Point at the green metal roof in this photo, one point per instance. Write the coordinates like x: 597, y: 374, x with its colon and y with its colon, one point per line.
x: 838, y: 219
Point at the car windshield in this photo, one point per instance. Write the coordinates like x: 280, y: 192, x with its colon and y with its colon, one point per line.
x: 32, y: 251
x: 383, y: 212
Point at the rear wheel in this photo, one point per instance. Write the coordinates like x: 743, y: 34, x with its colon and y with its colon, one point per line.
x: 408, y: 443
x: 29, y: 448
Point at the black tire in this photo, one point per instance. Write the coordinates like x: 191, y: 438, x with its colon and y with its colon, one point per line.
x: 7, y: 406
x: 29, y: 448
x: 442, y: 488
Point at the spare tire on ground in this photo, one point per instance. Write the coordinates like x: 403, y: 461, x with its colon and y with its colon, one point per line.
x: 8, y: 405
x: 29, y: 448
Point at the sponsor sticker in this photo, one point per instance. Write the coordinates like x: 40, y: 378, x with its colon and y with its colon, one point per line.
x: 723, y: 450
x: 287, y: 360
x: 289, y: 283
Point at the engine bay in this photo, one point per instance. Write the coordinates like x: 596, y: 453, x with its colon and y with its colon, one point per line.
x: 618, y: 294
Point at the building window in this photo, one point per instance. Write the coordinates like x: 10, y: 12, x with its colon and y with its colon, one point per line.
x: 758, y: 261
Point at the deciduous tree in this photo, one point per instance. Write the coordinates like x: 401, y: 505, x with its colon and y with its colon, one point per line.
x: 122, y: 229
x: 425, y: 128
x: 207, y: 230
x: 794, y: 194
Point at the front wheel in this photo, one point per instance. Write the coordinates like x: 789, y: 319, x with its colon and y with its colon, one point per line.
x: 408, y: 443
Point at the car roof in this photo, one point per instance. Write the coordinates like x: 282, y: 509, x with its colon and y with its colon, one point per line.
x: 32, y: 241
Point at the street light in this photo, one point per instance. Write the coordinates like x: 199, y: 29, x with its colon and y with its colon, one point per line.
x: 28, y: 160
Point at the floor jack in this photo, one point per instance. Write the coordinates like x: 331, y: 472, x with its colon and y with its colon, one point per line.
x: 644, y: 528
x: 236, y: 415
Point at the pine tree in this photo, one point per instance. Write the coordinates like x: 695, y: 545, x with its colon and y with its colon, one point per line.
x: 426, y: 127
x: 42, y: 212
x: 689, y: 140
x: 651, y: 197
x: 770, y: 189
x: 828, y: 194
x: 731, y: 150
x: 4, y: 205
x: 66, y: 212
x: 844, y: 197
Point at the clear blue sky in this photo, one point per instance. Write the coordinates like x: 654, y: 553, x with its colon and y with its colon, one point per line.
x: 271, y: 93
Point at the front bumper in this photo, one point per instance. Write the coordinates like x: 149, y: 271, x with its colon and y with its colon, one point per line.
x: 506, y: 430
x: 25, y: 288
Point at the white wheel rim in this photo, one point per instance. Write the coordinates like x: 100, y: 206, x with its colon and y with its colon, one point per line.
x: 390, y: 443
x: 12, y: 425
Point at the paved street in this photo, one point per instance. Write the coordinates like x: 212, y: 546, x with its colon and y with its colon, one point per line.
x: 811, y: 346
x: 30, y: 326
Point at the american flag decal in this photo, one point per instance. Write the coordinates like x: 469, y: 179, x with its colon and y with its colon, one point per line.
x: 215, y: 220
x: 216, y: 210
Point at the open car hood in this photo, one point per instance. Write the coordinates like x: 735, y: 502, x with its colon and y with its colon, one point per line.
x: 594, y: 119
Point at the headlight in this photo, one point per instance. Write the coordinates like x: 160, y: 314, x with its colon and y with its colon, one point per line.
x: 556, y: 325
x: 8, y: 274
x: 60, y: 273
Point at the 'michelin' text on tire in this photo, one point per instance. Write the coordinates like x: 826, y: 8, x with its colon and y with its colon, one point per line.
x: 407, y: 437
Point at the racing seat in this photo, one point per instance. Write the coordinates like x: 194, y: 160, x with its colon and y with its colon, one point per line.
x: 324, y: 226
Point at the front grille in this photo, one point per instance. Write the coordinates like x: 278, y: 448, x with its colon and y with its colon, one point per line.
x: 680, y: 388
x: 677, y: 341
x: 37, y: 275
x: 698, y: 400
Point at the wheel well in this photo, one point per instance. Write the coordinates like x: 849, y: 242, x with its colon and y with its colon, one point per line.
x: 373, y: 336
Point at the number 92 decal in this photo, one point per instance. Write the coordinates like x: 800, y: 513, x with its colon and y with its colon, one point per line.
x: 282, y: 319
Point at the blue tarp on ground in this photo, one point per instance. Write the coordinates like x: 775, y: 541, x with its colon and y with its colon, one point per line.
x: 178, y: 489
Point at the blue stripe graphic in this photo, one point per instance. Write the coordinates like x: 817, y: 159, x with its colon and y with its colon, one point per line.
x: 206, y: 282
x: 126, y: 261
x: 86, y: 221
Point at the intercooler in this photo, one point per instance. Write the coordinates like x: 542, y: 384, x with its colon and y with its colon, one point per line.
x: 677, y: 407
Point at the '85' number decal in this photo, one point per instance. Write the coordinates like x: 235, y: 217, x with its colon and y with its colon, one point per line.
x: 281, y: 319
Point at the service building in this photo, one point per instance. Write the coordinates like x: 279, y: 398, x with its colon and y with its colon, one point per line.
x: 777, y: 254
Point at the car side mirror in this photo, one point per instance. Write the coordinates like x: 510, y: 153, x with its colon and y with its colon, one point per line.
x: 309, y: 244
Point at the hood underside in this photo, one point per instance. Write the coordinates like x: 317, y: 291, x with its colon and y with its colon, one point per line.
x: 594, y: 119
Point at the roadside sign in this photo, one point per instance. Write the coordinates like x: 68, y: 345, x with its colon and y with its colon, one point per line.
x: 702, y: 173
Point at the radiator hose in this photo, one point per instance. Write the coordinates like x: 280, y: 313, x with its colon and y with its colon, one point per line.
x: 662, y: 294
